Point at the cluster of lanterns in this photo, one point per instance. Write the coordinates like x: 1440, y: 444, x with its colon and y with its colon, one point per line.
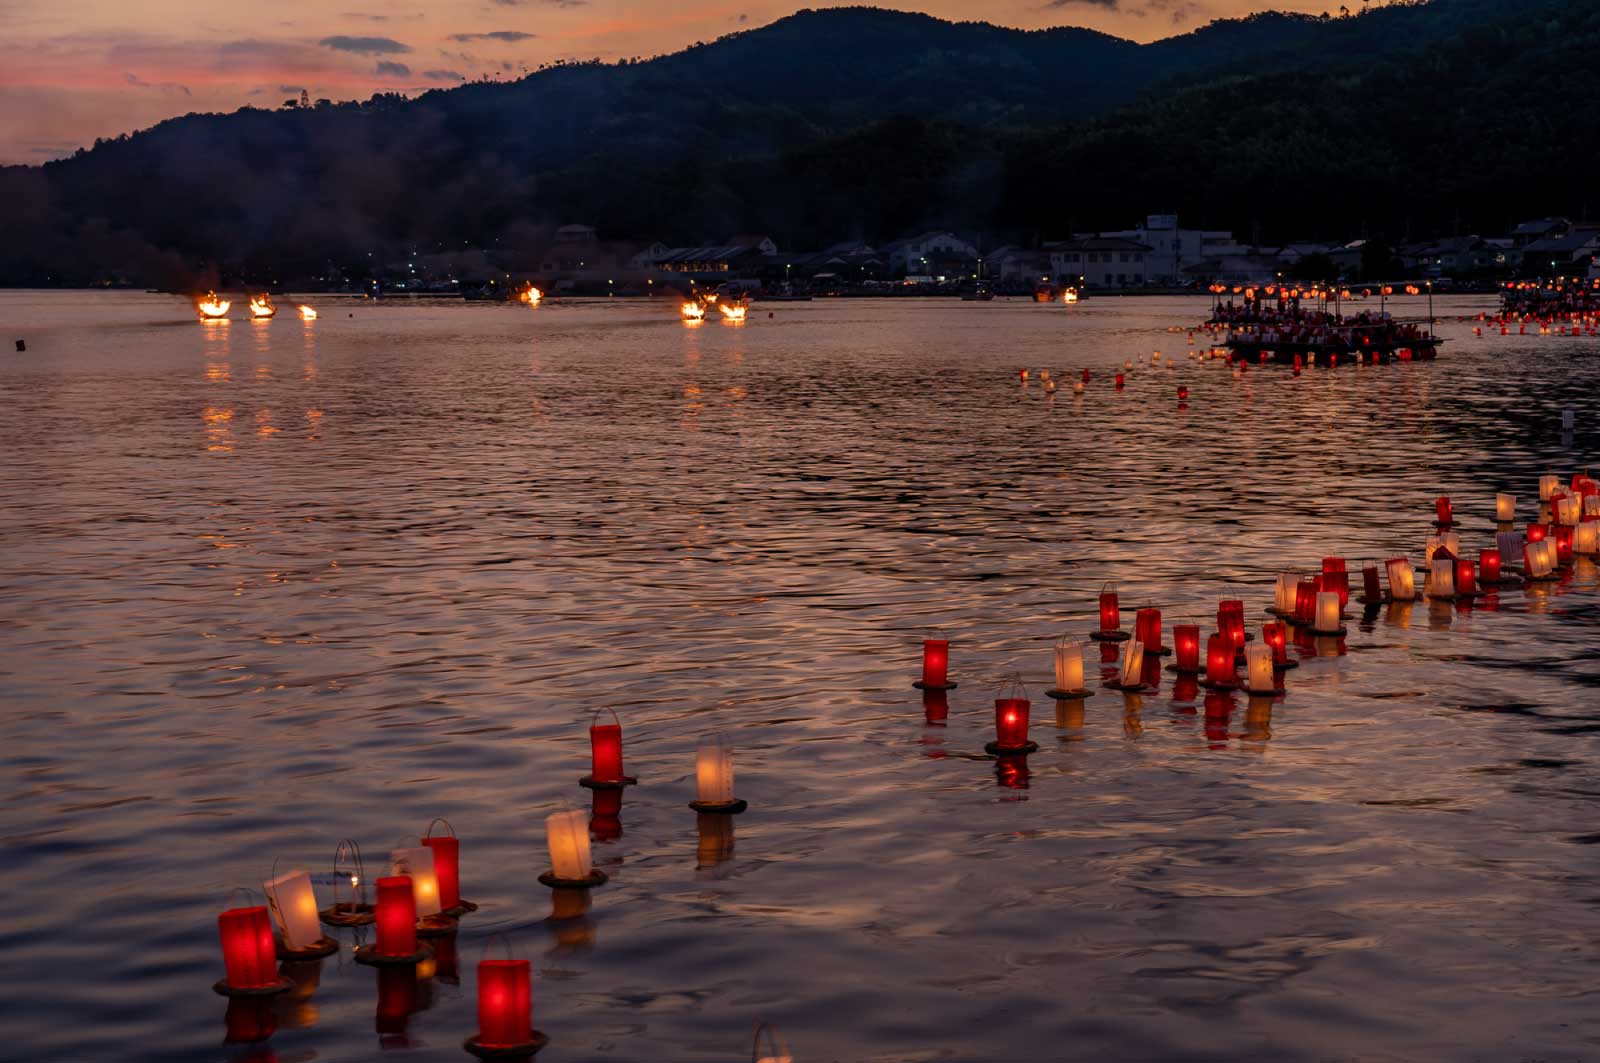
x: 420, y: 900
x: 1311, y: 606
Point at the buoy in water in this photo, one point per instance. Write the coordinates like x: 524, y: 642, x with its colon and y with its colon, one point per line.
x: 22, y: 345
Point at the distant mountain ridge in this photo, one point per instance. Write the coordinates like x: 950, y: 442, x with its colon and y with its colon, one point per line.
x: 834, y: 123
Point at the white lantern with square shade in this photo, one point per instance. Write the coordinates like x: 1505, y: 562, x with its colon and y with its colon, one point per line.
x: 1328, y: 621
x: 416, y: 862
x: 713, y: 778
x: 293, y: 906
x: 1586, y: 538
x: 1442, y: 579
x: 1261, y: 678
x: 1402, y: 579
x: 1068, y: 672
x: 566, y: 836
x: 1505, y: 508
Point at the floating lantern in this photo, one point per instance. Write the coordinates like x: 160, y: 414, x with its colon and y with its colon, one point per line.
x: 249, y: 955
x: 1371, y: 589
x: 293, y: 905
x: 1570, y: 510
x: 1085, y: 378
x: 348, y: 874
x: 1548, y: 485
x: 1509, y: 544
x: 1011, y: 723
x: 1221, y: 669
x: 566, y: 836
x: 1230, y: 621
x: 1305, y: 601
x: 713, y: 773
x: 1537, y: 533
x: 1129, y: 676
x: 396, y: 943
x: 1586, y: 539
x: 1402, y: 579
x: 1466, y: 578
x: 1444, y: 511
x: 1147, y: 629
x: 1284, y: 594
x: 1505, y: 508
x: 1119, y: 381
x: 447, y: 869
x: 505, y: 1011
x: 1539, y: 561
x: 770, y: 1047
x: 417, y: 862
x: 1261, y: 679
x: 1442, y: 579
x: 605, y: 754
x: 1183, y: 394
x: 1327, y: 620
x: 1110, y: 617
x: 935, y: 666
x: 1186, y: 646
x: 1069, y: 672
x: 1336, y: 578
x: 1489, y: 567
x: 1563, y: 540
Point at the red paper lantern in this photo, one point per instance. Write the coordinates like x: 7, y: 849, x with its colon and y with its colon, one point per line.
x: 1011, y: 722
x: 1305, y: 601
x: 1220, y: 655
x: 248, y: 952
x: 1230, y: 621
x: 1371, y: 589
x: 1276, y: 635
x: 1086, y: 376
x: 446, y: 865
x: 505, y: 1003
x: 1445, y: 511
x: 1186, y: 647
x: 1489, y: 565
x: 1110, y: 612
x: 1183, y: 394
x: 1147, y: 628
x: 1537, y: 533
x: 1466, y: 577
x: 935, y: 662
x: 1564, y: 544
x: 1119, y: 381
x: 396, y: 916
x: 605, y: 748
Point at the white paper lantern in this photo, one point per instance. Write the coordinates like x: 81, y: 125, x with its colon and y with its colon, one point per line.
x: 1443, y: 578
x: 1402, y: 580
x: 1132, y: 662
x: 293, y: 905
x: 1258, y: 668
x: 1505, y: 508
x: 567, y: 837
x: 1327, y: 620
x: 418, y: 863
x: 1069, y: 665
x: 1288, y: 587
x: 713, y: 771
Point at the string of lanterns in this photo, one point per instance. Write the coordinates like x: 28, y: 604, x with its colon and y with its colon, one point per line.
x: 1567, y: 526
x: 420, y: 900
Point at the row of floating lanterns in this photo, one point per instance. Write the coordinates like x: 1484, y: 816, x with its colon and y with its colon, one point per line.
x: 421, y: 898
x: 1314, y: 604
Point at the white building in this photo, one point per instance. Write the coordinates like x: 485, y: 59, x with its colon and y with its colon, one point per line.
x: 1101, y: 262
x: 928, y: 252
x: 1172, y: 249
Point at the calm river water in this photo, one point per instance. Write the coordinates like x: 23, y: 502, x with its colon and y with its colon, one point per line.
x: 270, y: 586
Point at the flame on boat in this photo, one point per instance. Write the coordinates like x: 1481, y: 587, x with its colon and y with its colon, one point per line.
x: 210, y: 307
x: 692, y: 311
x: 307, y: 313
x: 732, y: 311
x: 530, y: 295
x: 1069, y: 296
x: 261, y: 306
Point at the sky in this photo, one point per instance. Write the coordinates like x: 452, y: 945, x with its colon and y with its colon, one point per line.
x: 74, y: 70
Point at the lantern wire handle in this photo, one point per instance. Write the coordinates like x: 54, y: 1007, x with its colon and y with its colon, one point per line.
x: 249, y: 897
x: 489, y: 942
x: 347, y: 861
x: 1011, y: 686
x: 438, y: 819
x: 769, y: 1045
x: 594, y: 720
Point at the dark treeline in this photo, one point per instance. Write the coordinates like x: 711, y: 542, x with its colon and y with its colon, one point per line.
x: 1413, y: 120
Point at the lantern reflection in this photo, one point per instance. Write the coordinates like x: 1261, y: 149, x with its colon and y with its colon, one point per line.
x: 715, y: 844
x: 249, y: 1019
x: 1011, y: 771
x: 605, y: 816
x: 397, y: 1002
x: 935, y: 707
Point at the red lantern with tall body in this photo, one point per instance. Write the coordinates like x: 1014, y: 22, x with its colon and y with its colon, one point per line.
x: 447, y: 869
x: 1336, y: 578
x: 1011, y: 722
x: 1371, y: 588
x: 505, y: 1007
x: 1466, y: 578
x: 1489, y: 565
x: 396, y: 926
x: 1147, y: 629
x: 935, y: 666
x: 1276, y: 635
x: 249, y: 954
x: 1110, y: 617
x: 605, y: 753
x: 1221, y: 669
x: 1445, y: 512
x: 1230, y: 622
x: 1186, y: 644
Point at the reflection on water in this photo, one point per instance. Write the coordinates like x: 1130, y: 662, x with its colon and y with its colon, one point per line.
x: 273, y: 585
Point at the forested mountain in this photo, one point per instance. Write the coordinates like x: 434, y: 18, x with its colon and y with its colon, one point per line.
x: 1421, y: 118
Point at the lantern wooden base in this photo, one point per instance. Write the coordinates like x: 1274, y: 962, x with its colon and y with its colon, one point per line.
x: 1276, y: 692
x: 314, y: 951
x: 1282, y: 614
x: 920, y: 685
x: 1224, y: 687
x: 348, y: 914
x: 1185, y: 671
x: 1158, y: 651
x: 1444, y: 525
x: 1554, y: 577
x: 1382, y: 599
x: 995, y: 749
x: 282, y: 985
x: 535, y: 1041
x: 720, y: 808
x: 589, y: 782
x: 1109, y: 636
x: 1503, y: 581
x: 1284, y: 666
x: 369, y: 956
x: 1126, y: 688
x: 1069, y: 695
x: 1339, y: 633
x: 436, y: 926
x: 461, y: 908
x: 594, y: 878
